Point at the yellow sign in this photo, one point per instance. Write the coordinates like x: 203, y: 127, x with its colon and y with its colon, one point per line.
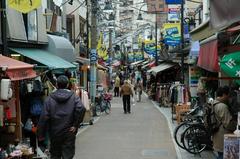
x: 24, y: 6
x: 172, y: 33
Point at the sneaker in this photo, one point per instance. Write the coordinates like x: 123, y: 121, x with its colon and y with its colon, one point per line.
x: 129, y: 112
x: 125, y: 112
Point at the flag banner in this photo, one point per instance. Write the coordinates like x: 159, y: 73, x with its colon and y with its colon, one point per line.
x: 172, y: 33
x: 24, y: 6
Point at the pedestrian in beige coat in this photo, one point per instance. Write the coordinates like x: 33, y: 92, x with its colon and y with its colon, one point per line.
x: 224, y: 117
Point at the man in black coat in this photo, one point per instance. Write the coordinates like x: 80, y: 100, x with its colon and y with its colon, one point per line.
x: 61, y: 117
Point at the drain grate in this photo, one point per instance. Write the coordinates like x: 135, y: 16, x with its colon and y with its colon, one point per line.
x: 155, y: 152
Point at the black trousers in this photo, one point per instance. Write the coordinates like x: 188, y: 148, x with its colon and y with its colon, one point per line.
x: 63, y: 147
x: 116, y: 91
x: 126, y: 103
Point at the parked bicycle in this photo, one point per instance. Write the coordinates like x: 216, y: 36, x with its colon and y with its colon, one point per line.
x: 191, y: 135
x: 103, y: 103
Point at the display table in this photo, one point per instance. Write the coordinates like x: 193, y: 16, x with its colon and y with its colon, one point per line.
x: 231, y: 146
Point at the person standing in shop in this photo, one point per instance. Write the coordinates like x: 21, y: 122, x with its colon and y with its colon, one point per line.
x: 61, y: 117
x: 126, y: 93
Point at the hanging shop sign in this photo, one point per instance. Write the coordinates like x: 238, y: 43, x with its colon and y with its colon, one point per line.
x: 174, y: 1
x: 230, y: 65
x: 173, y: 14
x: 24, y: 6
x: 172, y: 33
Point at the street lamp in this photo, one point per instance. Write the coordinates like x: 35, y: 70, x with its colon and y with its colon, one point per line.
x: 141, y: 18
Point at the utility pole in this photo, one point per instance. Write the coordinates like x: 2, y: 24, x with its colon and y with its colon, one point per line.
x: 93, y: 54
x: 110, y: 56
x: 182, y: 41
x: 156, y: 55
x: 4, y: 28
x: 87, y: 19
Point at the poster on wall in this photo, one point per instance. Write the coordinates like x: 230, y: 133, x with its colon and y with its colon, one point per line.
x: 172, y: 33
x: 194, y: 74
x: 32, y: 26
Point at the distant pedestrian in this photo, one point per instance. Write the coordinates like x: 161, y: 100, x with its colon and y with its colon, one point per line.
x: 126, y: 93
x: 116, y: 87
x: 138, y: 89
x: 61, y: 117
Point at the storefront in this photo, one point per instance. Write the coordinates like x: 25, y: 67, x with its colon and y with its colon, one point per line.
x: 11, y: 73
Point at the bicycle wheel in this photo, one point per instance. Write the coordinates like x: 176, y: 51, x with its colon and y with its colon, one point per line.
x: 194, y: 139
x: 106, y: 107
x: 98, y: 109
x: 178, y: 133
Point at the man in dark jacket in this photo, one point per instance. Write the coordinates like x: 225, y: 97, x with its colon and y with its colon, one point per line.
x: 61, y: 116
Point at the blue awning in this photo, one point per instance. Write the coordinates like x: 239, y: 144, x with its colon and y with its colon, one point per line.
x: 45, y: 58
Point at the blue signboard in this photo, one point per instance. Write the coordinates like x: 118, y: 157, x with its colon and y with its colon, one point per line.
x: 173, y: 1
x: 93, y: 56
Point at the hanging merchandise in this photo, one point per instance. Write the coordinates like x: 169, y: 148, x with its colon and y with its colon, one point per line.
x: 29, y: 87
x: 36, y: 106
x: 6, y: 91
x: 28, y: 125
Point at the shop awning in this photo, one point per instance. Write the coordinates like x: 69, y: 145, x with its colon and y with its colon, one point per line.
x: 149, y: 64
x: 61, y: 47
x: 230, y: 64
x: 233, y: 29
x: 83, y: 60
x: 208, y: 55
x: 45, y: 58
x: 160, y: 67
x: 136, y: 63
x: 16, y: 70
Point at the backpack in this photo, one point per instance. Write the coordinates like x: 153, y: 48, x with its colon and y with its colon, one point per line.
x: 210, y: 120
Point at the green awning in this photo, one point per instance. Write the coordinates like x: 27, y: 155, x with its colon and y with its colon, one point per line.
x: 230, y: 65
x: 46, y: 58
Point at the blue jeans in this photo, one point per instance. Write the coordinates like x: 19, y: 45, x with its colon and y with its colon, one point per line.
x: 219, y: 155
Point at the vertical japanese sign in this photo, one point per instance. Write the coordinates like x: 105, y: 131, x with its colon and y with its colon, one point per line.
x: 230, y: 65
x: 24, y: 6
x: 172, y: 33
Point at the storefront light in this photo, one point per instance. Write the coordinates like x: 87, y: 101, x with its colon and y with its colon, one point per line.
x: 15, y: 55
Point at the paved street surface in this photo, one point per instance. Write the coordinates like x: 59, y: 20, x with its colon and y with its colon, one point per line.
x: 146, y: 133
x: 143, y: 134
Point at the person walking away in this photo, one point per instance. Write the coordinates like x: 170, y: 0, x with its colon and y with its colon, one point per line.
x: 138, y: 88
x: 61, y: 117
x: 126, y: 93
x: 116, y: 88
x: 224, y: 118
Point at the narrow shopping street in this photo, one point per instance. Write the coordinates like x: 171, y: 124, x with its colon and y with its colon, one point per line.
x: 142, y: 134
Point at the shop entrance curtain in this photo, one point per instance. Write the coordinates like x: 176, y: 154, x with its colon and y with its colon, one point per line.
x: 230, y: 64
x: 208, y: 56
